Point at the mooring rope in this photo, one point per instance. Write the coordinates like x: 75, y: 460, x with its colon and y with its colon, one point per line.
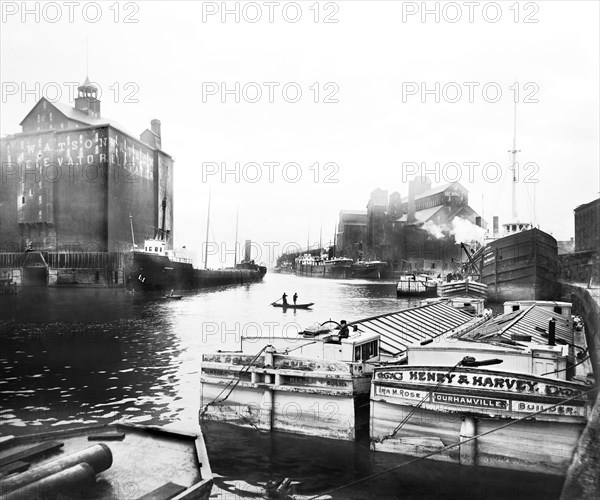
x: 415, y: 408
x: 237, y: 380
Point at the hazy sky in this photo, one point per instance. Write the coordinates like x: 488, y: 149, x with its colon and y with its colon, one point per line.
x: 369, y: 73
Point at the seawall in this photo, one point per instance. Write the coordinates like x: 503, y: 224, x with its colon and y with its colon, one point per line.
x: 583, y: 479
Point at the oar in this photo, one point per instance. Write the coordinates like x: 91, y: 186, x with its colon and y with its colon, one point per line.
x: 276, y: 301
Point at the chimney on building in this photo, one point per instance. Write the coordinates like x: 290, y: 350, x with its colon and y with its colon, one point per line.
x: 87, y: 99
x: 495, y: 226
x: 155, y: 127
x: 410, y: 218
x: 552, y: 332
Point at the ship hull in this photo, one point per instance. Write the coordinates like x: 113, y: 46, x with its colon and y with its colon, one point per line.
x: 532, y: 446
x: 441, y: 408
x: 520, y: 266
x: 148, y: 272
x: 323, y: 271
x: 367, y: 272
x: 308, y: 396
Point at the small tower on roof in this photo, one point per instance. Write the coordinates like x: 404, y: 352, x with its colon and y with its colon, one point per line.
x: 87, y: 99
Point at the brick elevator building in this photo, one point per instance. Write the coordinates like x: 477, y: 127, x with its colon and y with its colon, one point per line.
x: 71, y: 179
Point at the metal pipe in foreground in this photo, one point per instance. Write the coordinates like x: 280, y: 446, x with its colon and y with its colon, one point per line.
x: 99, y: 457
x: 68, y: 482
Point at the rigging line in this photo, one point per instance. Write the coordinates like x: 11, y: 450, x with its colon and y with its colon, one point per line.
x: 567, y: 367
x: 531, y: 205
x: 245, y: 367
x: 504, y: 176
x: 415, y: 408
x: 445, y: 448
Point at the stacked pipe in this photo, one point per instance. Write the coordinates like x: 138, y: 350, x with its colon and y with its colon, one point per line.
x: 67, y: 474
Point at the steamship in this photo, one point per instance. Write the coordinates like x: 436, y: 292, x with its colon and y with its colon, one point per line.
x: 323, y: 267
x: 523, y: 263
x: 155, y: 268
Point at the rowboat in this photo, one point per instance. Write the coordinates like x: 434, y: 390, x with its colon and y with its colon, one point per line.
x: 173, y: 297
x: 105, y: 462
x: 293, y: 306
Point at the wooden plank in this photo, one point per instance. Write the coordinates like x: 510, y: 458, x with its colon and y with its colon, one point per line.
x: 30, y: 452
x: 17, y: 466
x: 107, y: 436
x: 166, y: 491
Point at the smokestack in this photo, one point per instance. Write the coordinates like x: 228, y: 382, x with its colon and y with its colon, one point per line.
x: 552, y: 332
x: 411, y: 202
x: 495, y: 225
x: 478, y: 221
x: 247, y: 250
x: 155, y: 127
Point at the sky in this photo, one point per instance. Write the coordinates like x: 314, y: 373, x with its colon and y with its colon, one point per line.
x: 291, y: 116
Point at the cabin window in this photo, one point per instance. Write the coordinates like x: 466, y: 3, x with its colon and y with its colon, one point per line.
x: 23, y: 200
x: 515, y: 308
x: 366, y: 351
x: 433, y: 265
x: 558, y: 310
x: 156, y: 249
x: 97, y: 277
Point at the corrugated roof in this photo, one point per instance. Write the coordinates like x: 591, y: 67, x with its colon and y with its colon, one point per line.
x: 400, y: 329
x: 75, y: 114
x: 530, y: 321
x: 423, y: 215
x: 438, y: 189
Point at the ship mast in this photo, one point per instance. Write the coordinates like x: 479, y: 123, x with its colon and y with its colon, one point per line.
x: 513, y: 167
x: 237, y: 214
x: 131, y: 224
x: 207, y: 227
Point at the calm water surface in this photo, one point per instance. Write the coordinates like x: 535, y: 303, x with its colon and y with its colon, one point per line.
x: 73, y: 356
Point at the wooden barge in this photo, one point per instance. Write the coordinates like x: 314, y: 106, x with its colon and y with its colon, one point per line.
x: 106, y: 462
x: 317, y: 383
x: 526, y: 416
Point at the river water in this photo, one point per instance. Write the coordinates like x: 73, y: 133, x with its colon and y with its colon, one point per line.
x: 74, y: 356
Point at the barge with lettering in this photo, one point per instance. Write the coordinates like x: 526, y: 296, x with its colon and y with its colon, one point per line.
x: 316, y: 384
x: 511, y: 393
